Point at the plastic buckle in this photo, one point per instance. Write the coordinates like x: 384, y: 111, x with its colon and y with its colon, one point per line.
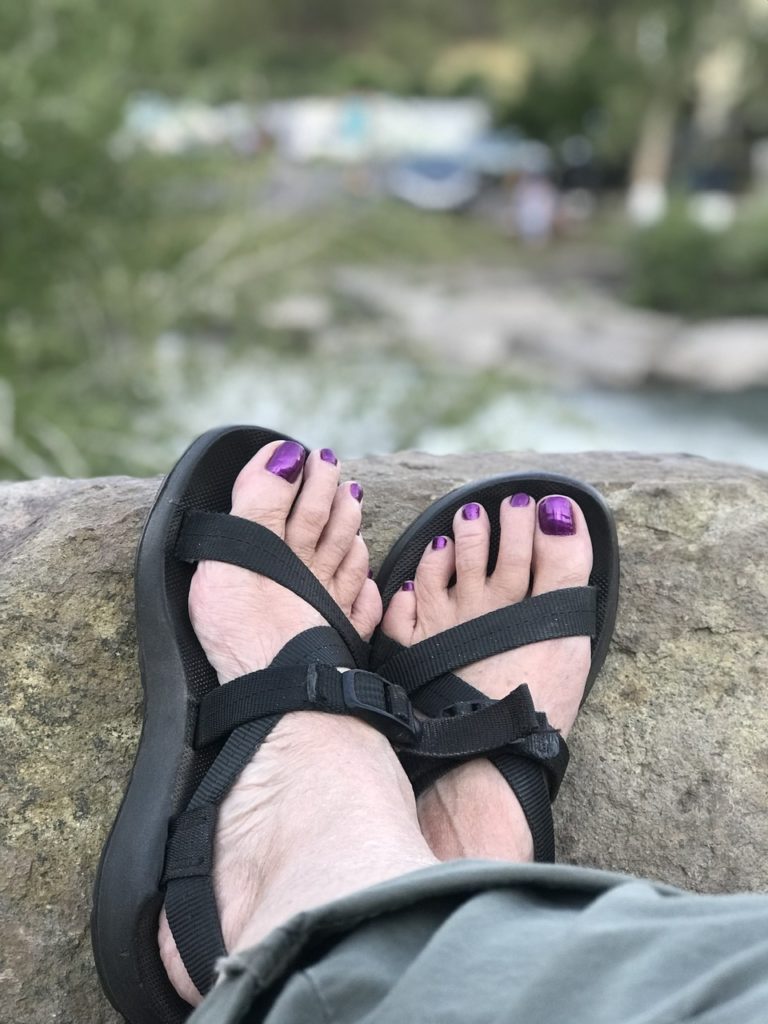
x: 395, y: 719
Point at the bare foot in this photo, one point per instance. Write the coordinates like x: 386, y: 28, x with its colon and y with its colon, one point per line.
x: 542, y: 548
x: 321, y: 790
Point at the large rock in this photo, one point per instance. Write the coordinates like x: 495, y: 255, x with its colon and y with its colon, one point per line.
x: 726, y: 355
x: 669, y: 776
x: 532, y: 324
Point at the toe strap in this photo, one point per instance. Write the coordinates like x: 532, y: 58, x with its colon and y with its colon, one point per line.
x: 560, y: 613
x: 219, y: 537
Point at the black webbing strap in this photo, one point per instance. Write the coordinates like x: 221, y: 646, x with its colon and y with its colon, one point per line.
x: 272, y: 690
x: 569, y: 612
x: 190, y: 903
x: 219, y: 537
x: 534, y: 782
x: 190, y: 900
x: 511, y: 725
x: 531, y: 784
x: 316, y: 645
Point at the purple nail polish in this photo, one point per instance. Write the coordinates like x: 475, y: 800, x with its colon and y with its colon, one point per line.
x: 556, y: 517
x: 329, y: 455
x: 287, y: 461
x: 356, y: 491
x: 471, y: 511
x: 408, y: 585
x: 520, y: 500
x: 438, y: 543
x: 370, y: 574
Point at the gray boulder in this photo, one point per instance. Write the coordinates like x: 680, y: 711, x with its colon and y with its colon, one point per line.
x: 669, y: 776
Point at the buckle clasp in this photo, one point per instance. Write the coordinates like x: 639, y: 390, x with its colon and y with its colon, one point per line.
x: 392, y: 715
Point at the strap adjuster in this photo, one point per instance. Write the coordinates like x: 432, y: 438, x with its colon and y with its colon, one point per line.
x: 392, y: 715
x: 464, y: 707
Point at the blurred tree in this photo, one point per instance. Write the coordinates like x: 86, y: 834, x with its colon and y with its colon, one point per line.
x: 628, y: 71
x: 66, y: 67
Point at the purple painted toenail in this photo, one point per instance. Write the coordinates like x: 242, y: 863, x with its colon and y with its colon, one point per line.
x: 471, y: 511
x: 287, y: 461
x: 520, y: 500
x: 438, y: 543
x: 370, y: 574
x: 408, y: 585
x: 329, y: 455
x: 556, y: 517
x: 356, y: 491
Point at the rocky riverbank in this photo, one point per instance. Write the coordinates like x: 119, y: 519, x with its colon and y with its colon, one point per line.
x: 562, y: 334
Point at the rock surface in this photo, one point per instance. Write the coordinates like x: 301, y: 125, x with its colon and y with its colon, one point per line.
x: 669, y: 776
x: 727, y: 355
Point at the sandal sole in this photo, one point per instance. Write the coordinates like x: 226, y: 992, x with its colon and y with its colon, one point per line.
x: 127, y: 898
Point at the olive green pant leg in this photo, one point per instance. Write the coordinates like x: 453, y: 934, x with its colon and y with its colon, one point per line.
x: 476, y: 942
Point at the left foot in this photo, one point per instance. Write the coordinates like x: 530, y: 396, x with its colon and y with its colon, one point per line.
x: 542, y: 548
x: 322, y: 790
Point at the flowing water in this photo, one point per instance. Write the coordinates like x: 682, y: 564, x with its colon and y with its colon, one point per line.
x: 362, y: 403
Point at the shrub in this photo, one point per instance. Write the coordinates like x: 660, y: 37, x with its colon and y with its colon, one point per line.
x: 680, y: 267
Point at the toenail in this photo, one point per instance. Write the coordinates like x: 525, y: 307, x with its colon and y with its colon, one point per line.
x: 408, y: 585
x: 438, y: 543
x: 287, y: 461
x: 520, y: 500
x: 556, y: 517
x: 329, y: 455
x: 471, y: 511
x: 370, y: 574
x: 356, y: 491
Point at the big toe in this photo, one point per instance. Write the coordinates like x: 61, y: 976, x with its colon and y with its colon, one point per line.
x: 267, y: 486
x: 562, y: 549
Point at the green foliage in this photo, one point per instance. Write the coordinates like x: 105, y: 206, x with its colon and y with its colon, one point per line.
x: 680, y: 267
x: 65, y: 69
x: 562, y: 100
x: 99, y: 257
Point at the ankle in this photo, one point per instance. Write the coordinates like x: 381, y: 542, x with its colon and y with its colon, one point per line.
x: 350, y: 824
x: 322, y: 811
x: 472, y: 813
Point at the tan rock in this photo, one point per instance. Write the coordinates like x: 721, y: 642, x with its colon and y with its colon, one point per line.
x: 669, y: 776
x: 726, y: 355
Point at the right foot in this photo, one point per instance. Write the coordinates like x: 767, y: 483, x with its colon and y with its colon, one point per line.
x: 542, y: 548
x: 321, y: 789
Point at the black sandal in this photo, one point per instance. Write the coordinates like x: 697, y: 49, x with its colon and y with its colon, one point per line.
x: 197, y: 736
x: 532, y: 757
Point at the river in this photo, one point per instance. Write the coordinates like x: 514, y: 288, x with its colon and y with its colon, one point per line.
x: 361, y: 403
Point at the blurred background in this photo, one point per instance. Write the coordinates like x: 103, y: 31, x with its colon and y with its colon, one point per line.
x: 441, y: 224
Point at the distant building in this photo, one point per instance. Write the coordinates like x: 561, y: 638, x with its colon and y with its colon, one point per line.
x: 374, y: 127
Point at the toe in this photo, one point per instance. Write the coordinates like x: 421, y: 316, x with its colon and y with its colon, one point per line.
x: 351, y: 574
x: 340, y: 530
x: 312, y: 507
x: 437, y: 566
x: 399, y: 620
x: 511, y: 578
x: 366, y: 610
x: 267, y: 486
x: 433, y: 576
x: 471, y: 531
x: 562, y: 549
